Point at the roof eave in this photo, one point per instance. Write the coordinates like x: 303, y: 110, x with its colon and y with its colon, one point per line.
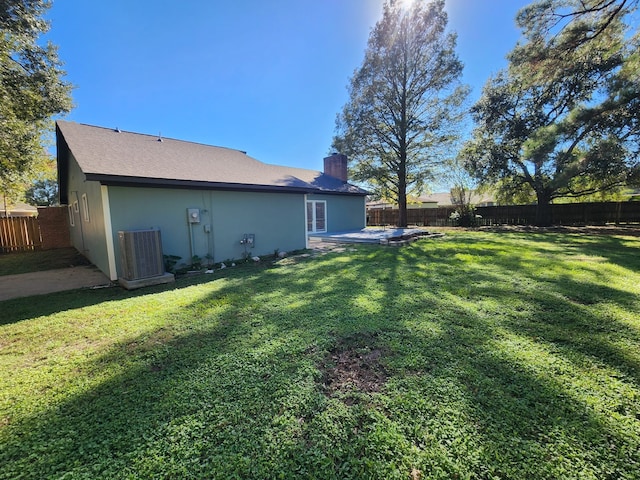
x: 125, y: 181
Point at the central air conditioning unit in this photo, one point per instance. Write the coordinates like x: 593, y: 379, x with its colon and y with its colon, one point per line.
x: 141, y: 254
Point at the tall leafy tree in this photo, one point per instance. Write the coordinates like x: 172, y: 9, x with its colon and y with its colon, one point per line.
x: 42, y: 193
x: 405, y: 100
x: 32, y: 88
x: 42, y: 189
x: 562, y: 120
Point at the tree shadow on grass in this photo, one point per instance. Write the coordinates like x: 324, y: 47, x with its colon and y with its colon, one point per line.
x: 19, y: 309
x: 530, y: 420
x: 573, y: 309
x: 467, y: 397
x: 617, y: 249
x: 236, y: 391
x: 174, y: 403
x: 506, y: 419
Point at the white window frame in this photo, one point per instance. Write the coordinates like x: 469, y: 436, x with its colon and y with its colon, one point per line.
x: 72, y: 221
x: 313, y: 219
x: 85, y: 207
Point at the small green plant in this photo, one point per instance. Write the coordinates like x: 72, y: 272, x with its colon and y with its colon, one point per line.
x: 196, y: 262
x: 209, y: 258
x: 464, y: 218
x: 170, y: 262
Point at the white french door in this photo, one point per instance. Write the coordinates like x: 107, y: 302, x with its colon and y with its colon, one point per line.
x: 316, y: 216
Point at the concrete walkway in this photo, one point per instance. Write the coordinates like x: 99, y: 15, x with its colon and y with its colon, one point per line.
x: 49, y: 281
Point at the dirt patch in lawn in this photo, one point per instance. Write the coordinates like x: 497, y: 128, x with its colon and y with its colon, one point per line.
x: 354, y: 365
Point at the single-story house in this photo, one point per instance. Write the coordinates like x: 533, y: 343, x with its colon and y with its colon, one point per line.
x: 211, y: 202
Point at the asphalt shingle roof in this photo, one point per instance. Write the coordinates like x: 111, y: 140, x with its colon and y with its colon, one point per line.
x: 113, y: 156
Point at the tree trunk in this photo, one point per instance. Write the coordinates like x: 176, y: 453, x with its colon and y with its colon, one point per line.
x: 402, y: 210
x: 402, y: 194
x: 544, y: 217
x: 402, y: 185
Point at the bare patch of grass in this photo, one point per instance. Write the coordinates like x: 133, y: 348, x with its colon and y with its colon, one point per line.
x: 355, y: 364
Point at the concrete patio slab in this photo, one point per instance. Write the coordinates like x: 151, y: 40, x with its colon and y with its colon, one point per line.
x: 369, y: 235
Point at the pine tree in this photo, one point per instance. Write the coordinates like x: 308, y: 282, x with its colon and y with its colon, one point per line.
x: 405, y: 101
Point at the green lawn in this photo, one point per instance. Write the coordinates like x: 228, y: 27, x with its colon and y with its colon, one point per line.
x: 478, y: 355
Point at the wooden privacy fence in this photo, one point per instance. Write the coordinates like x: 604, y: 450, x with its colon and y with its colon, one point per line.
x: 596, y: 213
x: 49, y: 230
x: 19, y: 234
x: 599, y: 213
x: 415, y: 216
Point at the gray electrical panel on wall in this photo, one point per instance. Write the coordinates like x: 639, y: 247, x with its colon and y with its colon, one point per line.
x: 193, y: 215
x: 248, y: 239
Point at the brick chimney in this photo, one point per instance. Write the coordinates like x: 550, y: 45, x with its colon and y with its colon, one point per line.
x: 336, y: 166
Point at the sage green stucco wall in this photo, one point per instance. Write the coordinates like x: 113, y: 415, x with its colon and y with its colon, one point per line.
x: 276, y: 219
x: 344, y: 212
x: 87, y: 236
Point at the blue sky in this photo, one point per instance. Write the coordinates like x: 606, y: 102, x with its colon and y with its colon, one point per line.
x: 266, y: 77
